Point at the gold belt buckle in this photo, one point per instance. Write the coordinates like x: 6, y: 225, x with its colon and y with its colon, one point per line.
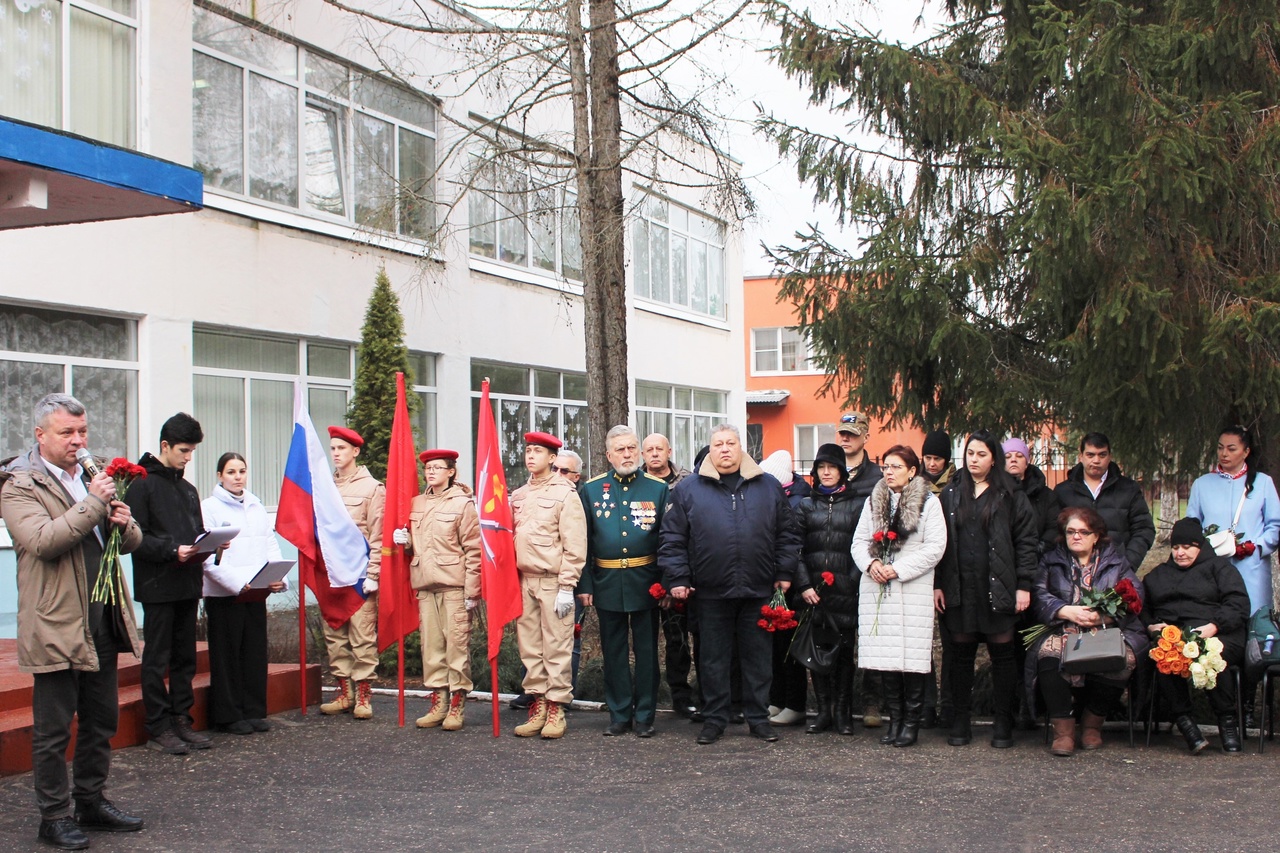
x: 625, y: 563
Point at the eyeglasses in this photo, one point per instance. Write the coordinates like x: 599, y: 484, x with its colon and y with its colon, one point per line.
x: 1078, y: 534
x: 435, y: 469
x: 849, y: 419
x: 893, y: 467
x: 563, y: 470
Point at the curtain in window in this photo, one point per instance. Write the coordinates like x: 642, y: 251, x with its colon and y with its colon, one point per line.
x: 31, y: 61
x: 271, y: 428
x: 22, y: 383
x: 273, y: 141
x: 217, y: 104
x: 375, y: 173
x: 322, y: 130
x: 102, y: 78
x: 417, y: 197
x: 110, y: 395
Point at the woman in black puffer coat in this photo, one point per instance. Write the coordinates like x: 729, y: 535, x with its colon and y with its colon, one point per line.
x: 827, y: 578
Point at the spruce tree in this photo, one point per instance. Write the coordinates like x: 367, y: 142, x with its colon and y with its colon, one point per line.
x: 380, y: 354
x: 1074, y: 220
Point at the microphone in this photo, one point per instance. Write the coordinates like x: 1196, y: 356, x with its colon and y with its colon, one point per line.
x: 86, y: 460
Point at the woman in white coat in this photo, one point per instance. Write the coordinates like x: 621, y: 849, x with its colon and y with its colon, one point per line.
x: 901, y: 536
x: 236, y: 615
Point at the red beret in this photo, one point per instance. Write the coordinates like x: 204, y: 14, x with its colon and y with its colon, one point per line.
x: 427, y: 455
x: 544, y: 439
x: 350, y: 436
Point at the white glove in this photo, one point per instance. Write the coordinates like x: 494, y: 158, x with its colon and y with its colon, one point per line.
x: 370, y: 586
x: 471, y: 604
x: 400, y: 536
x: 564, y: 602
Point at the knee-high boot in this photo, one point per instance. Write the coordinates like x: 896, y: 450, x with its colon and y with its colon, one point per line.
x: 1004, y: 692
x: 913, y: 691
x: 844, y: 693
x: 892, y: 682
x: 822, y: 688
x: 963, y: 656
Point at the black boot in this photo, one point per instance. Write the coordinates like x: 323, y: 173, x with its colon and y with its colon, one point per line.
x: 822, y: 689
x: 930, y: 718
x: 1190, y: 731
x: 961, y: 664
x: 892, y: 685
x: 913, y: 686
x: 1004, y: 692
x: 844, y: 694
x: 1229, y: 732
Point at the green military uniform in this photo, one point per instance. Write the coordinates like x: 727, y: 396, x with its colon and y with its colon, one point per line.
x: 623, y: 517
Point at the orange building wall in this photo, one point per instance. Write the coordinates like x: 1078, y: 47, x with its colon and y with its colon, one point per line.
x: 805, y: 406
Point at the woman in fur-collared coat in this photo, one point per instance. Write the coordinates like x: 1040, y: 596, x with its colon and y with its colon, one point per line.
x: 901, y: 536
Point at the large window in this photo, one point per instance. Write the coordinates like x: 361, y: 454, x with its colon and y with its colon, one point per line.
x: 520, y: 216
x: 92, y: 357
x: 70, y: 64
x: 281, y: 124
x: 684, y: 415
x: 243, y: 390
x: 780, y: 350
x: 525, y: 399
x: 678, y: 257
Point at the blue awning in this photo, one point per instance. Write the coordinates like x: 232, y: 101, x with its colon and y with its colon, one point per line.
x: 48, y: 177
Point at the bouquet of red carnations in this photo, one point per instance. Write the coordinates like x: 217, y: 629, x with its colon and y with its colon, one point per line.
x: 123, y: 472
x: 777, y: 616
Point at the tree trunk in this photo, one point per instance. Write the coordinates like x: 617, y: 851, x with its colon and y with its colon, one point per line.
x: 604, y: 237
x: 1168, y: 506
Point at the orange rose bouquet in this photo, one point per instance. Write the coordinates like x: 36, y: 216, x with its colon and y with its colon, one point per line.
x: 1184, y: 652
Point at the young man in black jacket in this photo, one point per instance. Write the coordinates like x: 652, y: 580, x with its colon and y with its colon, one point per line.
x: 168, y: 580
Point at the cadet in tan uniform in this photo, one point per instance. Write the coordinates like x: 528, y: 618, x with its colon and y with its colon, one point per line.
x: 353, y: 648
x: 444, y: 537
x: 551, y: 549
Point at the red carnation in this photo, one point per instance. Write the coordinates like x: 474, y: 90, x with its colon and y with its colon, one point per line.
x: 828, y: 578
x: 764, y: 623
x: 892, y: 536
x: 658, y: 591
x: 878, y: 536
x: 577, y: 629
x: 766, y: 610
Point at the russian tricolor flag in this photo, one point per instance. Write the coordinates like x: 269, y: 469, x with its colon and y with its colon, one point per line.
x: 333, y: 555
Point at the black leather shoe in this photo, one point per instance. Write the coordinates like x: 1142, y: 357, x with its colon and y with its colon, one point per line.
x: 765, y: 732
x: 709, y: 734
x: 189, y: 736
x: 260, y: 725
x: 168, y: 742
x: 521, y: 702
x: 1229, y: 733
x: 239, y: 727
x: 644, y: 730
x: 101, y: 815
x: 1002, y: 732
x: 685, y: 709
x: 616, y: 729
x: 1191, y: 732
x: 62, y: 833
x: 961, y: 733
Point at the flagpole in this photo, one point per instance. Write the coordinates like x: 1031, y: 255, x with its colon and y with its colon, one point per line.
x: 400, y: 661
x: 302, y: 642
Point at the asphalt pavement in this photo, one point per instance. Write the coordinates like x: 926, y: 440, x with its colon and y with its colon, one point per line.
x: 331, y: 784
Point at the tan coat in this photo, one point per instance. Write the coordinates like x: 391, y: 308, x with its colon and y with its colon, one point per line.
x: 551, y: 530
x: 53, y: 588
x: 444, y: 533
x: 366, y: 499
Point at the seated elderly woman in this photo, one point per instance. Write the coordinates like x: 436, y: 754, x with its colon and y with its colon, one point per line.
x: 1196, y: 589
x: 1083, y: 560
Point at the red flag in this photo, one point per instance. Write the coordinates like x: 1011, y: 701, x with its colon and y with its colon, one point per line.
x: 397, y: 604
x: 499, y: 581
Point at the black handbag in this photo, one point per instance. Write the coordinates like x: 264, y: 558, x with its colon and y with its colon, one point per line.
x: 1093, y: 651
x: 816, y: 642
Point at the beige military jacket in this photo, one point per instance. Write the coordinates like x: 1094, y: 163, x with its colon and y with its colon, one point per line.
x: 551, y: 530
x: 366, y: 499
x: 444, y: 536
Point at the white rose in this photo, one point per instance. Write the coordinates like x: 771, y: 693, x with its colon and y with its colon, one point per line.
x: 1214, y: 645
x: 1191, y: 651
x: 1198, y: 680
x: 1210, y: 680
x: 1197, y: 671
x: 1218, y: 664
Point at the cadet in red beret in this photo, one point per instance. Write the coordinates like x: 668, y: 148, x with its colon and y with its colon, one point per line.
x: 551, y: 550
x: 353, y: 647
x: 444, y: 538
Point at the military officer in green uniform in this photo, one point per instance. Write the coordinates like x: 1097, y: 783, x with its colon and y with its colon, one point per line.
x: 624, y: 511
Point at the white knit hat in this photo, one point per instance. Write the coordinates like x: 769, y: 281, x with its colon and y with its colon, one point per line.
x: 779, y: 465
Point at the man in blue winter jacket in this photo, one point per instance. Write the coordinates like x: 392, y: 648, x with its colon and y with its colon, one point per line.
x: 728, y: 539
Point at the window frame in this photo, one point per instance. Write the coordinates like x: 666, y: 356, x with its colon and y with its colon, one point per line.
x: 693, y: 419
x: 348, y: 106
x: 806, y: 357
x: 642, y: 218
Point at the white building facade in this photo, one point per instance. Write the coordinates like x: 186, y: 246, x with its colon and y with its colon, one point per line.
x: 319, y: 170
